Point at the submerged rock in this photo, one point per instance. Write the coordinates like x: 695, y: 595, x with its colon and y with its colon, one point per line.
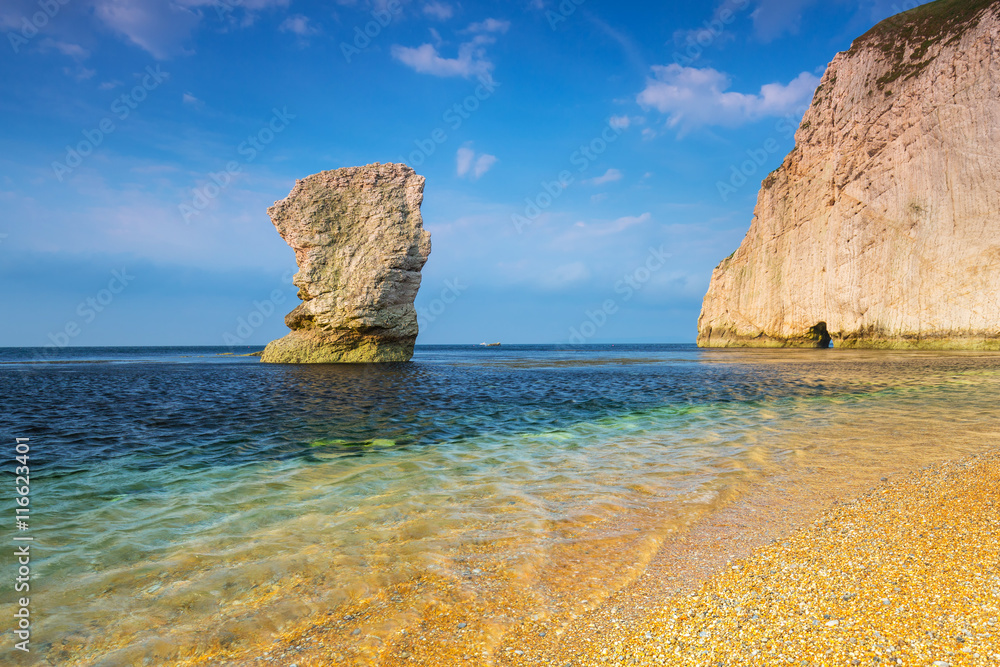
x: 882, y: 226
x: 360, y: 244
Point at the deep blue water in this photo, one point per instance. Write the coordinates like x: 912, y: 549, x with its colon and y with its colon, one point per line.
x: 187, y: 407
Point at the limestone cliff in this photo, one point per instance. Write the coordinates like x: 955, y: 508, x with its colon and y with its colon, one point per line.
x: 360, y: 244
x: 882, y: 226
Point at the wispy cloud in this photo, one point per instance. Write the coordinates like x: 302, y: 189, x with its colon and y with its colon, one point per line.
x: 620, y: 122
x: 164, y: 28
x: 610, y: 176
x: 65, y: 48
x: 438, y: 10
x: 467, y: 163
x: 79, y: 73
x: 483, y: 164
x: 607, y: 228
x: 489, y: 25
x: 161, y: 28
x: 693, y: 97
x: 300, y: 25
x: 471, y: 60
x: 425, y: 59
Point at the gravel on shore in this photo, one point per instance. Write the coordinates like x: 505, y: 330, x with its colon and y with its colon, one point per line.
x: 907, y: 574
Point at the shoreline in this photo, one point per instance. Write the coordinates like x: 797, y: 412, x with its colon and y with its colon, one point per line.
x: 751, y: 547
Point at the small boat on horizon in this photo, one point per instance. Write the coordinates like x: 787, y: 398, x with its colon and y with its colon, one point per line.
x: 489, y: 345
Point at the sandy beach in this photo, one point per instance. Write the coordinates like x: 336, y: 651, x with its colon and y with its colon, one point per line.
x: 906, y: 574
x: 902, y: 572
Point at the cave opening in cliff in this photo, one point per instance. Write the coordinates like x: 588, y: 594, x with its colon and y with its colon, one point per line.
x: 820, y: 334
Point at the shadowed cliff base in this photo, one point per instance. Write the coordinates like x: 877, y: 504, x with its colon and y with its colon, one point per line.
x: 816, y: 337
x: 869, y: 339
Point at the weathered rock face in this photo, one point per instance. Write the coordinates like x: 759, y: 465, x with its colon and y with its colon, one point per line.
x: 882, y: 226
x: 359, y: 243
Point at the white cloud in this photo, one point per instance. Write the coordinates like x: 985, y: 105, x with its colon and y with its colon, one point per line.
x: 623, y: 223
x: 598, y: 198
x: 438, y: 10
x: 188, y: 98
x: 489, y: 25
x: 158, y: 27
x: 610, y: 176
x: 65, y: 48
x: 470, y: 61
x: 463, y: 159
x: 692, y: 97
x: 425, y: 59
x: 162, y: 27
x: 298, y: 24
x: 468, y: 164
x: 620, y: 122
x: 109, y: 85
x: 583, y: 229
x: 483, y: 164
x: 82, y: 74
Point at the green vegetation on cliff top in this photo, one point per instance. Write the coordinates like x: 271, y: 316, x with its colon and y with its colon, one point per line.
x: 934, y: 21
x: 906, y: 37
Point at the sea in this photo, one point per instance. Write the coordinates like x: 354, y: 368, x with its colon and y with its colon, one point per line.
x: 190, y: 501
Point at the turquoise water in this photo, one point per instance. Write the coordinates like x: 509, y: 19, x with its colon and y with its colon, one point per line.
x: 185, y: 502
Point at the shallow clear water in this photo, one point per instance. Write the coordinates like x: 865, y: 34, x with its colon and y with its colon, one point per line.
x: 185, y: 501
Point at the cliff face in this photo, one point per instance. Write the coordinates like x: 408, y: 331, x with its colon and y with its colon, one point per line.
x: 360, y: 244
x: 882, y: 226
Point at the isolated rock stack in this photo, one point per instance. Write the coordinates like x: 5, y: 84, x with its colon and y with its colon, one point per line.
x: 360, y: 244
x: 882, y: 226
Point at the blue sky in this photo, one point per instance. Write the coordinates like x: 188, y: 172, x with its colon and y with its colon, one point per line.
x: 573, y: 152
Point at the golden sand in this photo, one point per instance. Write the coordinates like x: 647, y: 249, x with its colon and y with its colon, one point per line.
x: 906, y: 574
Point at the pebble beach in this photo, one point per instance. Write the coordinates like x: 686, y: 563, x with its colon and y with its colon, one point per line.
x: 907, y: 574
